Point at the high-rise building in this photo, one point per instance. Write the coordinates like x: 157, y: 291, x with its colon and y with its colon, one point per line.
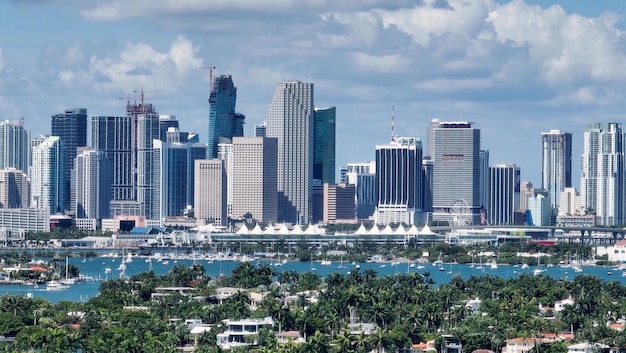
x: 556, y: 170
x: 14, y: 189
x: 363, y: 177
x: 541, y: 210
x: 290, y: 120
x: 224, y: 122
x: 602, y: 173
x: 255, y: 178
x: 147, y: 132
x: 48, y: 176
x: 569, y: 205
x: 173, y: 177
x: 113, y: 135
x: 399, y: 181
x: 91, y: 174
x: 165, y: 123
x: 210, y: 191
x: 339, y: 203
x: 504, y: 190
x: 71, y: 128
x: 324, y: 145
x: 14, y: 145
x: 133, y: 110
x: 484, y: 178
x: 260, y: 130
x: 456, y: 172
x: 225, y: 153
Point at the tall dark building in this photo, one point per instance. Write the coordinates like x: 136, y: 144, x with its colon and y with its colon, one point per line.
x: 324, y: 145
x: 224, y: 123
x: 113, y: 136
x: 71, y: 128
x: 399, y: 181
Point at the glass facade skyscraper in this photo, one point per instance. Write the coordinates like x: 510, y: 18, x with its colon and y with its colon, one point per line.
x: 113, y: 136
x: 324, y: 145
x: 91, y: 175
x: 71, y: 128
x: 14, y: 145
x: 173, y: 177
x: 224, y: 122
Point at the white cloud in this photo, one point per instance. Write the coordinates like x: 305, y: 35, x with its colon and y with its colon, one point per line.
x: 142, y: 65
x: 383, y: 64
x: 565, y: 48
x: 449, y: 85
x: 462, y: 18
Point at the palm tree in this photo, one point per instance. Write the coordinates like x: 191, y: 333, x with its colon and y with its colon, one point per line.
x: 319, y: 343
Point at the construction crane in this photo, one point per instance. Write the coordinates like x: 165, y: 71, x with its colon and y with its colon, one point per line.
x: 210, y: 68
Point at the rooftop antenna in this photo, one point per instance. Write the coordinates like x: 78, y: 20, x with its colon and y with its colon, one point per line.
x: 392, y: 118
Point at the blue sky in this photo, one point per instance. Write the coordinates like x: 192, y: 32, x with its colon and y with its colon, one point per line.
x: 514, y: 68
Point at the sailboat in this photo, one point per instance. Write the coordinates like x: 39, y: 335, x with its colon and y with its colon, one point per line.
x: 67, y: 279
x: 341, y: 262
x: 538, y: 270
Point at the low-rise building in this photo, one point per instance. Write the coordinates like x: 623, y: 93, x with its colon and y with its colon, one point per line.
x: 242, y: 333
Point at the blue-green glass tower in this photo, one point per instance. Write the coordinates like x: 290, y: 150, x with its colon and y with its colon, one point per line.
x: 224, y: 123
x: 324, y: 145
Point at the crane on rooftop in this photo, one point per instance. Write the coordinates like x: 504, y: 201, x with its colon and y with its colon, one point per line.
x: 210, y: 68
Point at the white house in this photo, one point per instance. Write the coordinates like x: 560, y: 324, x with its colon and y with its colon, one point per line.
x: 559, y: 305
x: 587, y: 347
x: 242, y: 333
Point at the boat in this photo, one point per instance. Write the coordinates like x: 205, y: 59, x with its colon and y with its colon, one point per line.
x: 55, y: 285
x: 67, y: 279
x: 326, y: 263
x: 107, y: 270
x: 341, y: 263
x: 439, y: 260
x: 524, y: 266
x: 493, y: 265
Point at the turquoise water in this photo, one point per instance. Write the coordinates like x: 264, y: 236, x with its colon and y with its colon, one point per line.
x: 95, y: 267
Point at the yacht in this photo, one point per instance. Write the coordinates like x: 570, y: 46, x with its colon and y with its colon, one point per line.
x: 326, y: 263
x: 56, y: 285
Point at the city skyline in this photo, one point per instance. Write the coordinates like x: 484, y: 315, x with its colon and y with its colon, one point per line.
x: 478, y: 61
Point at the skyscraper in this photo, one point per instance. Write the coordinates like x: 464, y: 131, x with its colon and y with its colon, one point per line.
x: 255, y: 179
x: 210, y: 191
x: 456, y: 172
x: 324, y: 145
x: 556, y: 169
x: 71, y: 128
x: 48, y: 176
x: 399, y: 181
x: 113, y: 135
x: 602, y: 178
x: 14, y: 189
x: 224, y: 122
x: 14, y: 145
x: 363, y: 177
x: 504, y: 190
x: 147, y: 132
x: 173, y: 177
x: 290, y: 120
x: 91, y: 174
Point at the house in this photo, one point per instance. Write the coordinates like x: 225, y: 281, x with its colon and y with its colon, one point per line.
x: 289, y: 336
x: 165, y: 291
x: 520, y: 345
x: 473, y: 305
x: 587, y: 347
x: 242, y: 333
x: 559, y: 305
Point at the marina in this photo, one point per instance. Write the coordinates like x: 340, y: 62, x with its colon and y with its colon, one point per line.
x: 96, y: 270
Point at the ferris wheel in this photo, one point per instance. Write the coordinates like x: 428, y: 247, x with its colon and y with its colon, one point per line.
x: 461, y: 213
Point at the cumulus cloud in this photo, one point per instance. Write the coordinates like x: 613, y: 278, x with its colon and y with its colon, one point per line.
x: 140, y: 64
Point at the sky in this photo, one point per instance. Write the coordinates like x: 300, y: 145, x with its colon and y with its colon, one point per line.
x: 513, y: 68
